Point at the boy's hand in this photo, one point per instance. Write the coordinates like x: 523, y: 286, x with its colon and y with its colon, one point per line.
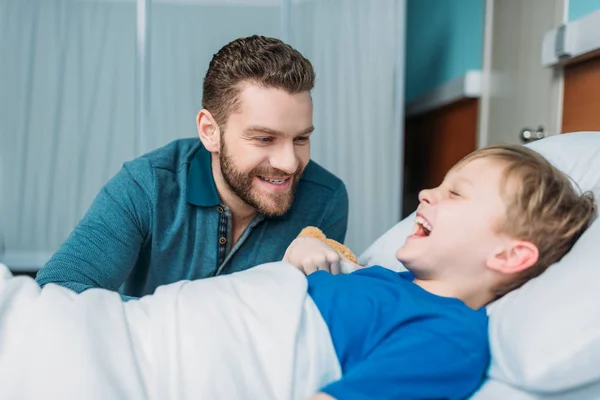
x: 322, y: 396
x: 309, y: 255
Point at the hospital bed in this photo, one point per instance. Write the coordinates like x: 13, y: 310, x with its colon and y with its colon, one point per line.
x: 544, y: 337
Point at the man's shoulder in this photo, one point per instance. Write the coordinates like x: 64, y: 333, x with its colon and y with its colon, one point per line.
x: 316, y: 175
x: 172, y: 156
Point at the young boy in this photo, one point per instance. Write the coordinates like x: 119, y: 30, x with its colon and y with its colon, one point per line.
x: 501, y: 216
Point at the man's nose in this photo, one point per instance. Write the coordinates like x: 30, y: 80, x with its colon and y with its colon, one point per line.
x: 285, y: 159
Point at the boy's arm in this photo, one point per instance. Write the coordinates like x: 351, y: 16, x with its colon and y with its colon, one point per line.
x: 335, y: 222
x: 105, y: 245
x: 416, y: 364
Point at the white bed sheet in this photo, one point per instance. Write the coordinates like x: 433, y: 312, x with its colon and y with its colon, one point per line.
x: 254, y: 335
x: 496, y: 390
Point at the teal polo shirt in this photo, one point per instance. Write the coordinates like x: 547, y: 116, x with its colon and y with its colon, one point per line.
x: 160, y: 220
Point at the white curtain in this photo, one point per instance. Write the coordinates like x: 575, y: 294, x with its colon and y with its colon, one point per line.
x: 357, y: 49
x: 66, y: 116
x: 68, y: 100
x: 184, y: 35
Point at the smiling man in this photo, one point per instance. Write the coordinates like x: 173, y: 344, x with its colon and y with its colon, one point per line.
x: 231, y: 200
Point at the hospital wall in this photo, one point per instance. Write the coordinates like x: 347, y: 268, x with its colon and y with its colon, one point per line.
x: 444, y: 39
x: 580, y: 8
x: 444, y: 42
x: 582, y: 73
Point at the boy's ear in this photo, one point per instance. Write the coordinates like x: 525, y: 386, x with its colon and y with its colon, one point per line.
x: 208, y: 130
x: 516, y: 256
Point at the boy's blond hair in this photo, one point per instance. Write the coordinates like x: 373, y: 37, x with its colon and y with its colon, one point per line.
x: 542, y: 207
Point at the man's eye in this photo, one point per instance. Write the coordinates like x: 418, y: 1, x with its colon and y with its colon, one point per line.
x: 302, y: 139
x: 264, y: 139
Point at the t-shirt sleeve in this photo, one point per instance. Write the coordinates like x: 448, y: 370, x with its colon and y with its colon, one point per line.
x: 417, y: 365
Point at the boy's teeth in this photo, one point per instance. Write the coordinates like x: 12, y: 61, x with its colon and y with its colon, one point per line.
x: 421, y: 221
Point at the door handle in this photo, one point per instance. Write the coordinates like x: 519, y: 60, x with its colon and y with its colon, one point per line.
x: 529, y: 135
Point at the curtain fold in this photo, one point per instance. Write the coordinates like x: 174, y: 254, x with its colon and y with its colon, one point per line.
x: 67, y: 114
x: 357, y: 49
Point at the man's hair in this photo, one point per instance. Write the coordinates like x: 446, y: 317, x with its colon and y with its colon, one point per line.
x: 257, y: 60
x: 542, y: 207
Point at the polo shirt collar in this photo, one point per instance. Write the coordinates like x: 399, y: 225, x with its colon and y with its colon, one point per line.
x: 201, y: 187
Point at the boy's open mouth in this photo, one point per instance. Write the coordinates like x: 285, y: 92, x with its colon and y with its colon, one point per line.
x: 422, y: 227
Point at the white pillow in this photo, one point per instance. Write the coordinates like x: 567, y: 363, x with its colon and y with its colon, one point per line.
x: 383, y: 250
x: 545, y: 336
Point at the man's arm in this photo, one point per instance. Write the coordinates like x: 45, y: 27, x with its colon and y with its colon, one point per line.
x: 415, y: 364
x: 106, y: 243
x: 335, y: 222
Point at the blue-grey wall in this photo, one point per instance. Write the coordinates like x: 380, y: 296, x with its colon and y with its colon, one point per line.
x: 444, y: 39
x: 580, y: 8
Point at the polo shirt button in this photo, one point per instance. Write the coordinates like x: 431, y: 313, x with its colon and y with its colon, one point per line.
x: 220, y: 209
x: 222, y: 240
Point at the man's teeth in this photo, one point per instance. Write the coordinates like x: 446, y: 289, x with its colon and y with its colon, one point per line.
x: 421, y: 221
x: 274, y: 181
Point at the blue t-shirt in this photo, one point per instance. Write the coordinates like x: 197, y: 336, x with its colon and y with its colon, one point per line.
x: 395, y: 340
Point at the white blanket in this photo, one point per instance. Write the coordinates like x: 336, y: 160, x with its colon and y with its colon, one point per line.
x: 250, y: 335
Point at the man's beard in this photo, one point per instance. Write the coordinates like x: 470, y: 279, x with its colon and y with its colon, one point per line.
x: 269, y: 204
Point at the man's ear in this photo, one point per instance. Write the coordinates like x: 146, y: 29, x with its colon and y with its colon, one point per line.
x: 514, y: 257
x: 208, y: 130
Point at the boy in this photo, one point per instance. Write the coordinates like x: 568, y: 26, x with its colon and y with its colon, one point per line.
x: 501, y: 216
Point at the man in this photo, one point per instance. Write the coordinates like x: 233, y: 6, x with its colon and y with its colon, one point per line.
x: 235, y: 199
